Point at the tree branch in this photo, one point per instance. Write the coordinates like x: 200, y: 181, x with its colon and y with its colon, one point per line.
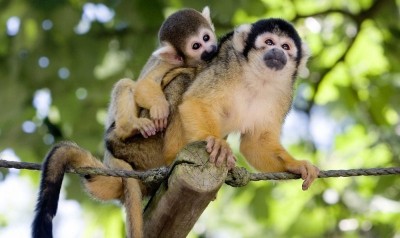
x: 179, y: 202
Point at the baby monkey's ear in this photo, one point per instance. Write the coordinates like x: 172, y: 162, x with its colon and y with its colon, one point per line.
x: 168, y: 53
x: 303, y: 71
x: 206, y: 15
x: 240, y: 36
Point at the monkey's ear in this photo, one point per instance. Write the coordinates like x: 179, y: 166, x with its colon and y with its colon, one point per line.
x: 168, y: 53
x: 240, y: 36
x: 206, y: 15
x: 303, y: 71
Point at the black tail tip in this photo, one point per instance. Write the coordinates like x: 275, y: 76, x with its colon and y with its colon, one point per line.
x: 42, y: 228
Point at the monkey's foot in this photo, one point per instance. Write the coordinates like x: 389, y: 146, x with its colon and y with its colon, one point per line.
x: 308, y: 171
x: 220, y: 152
x: 159, y: 113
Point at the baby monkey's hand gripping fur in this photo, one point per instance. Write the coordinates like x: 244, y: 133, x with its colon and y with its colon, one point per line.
x: 247, y: 88
x: 187, y: 39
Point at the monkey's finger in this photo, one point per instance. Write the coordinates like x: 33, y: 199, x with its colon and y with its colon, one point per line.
x: 231, y: 161
x: 210, y: 143
x: 144, y: 134
x: 157, y: 124
x: 213, y: 155
x: 306, y: 184
x: 161, y: 123
x: 303, y: 172
x: 222, y: 157
x: 214, y: 152
x: 150, y: 130
x: 312, y: 174
x: 148, y: 133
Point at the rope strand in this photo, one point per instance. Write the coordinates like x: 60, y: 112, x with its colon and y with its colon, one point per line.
x: 236, y: 177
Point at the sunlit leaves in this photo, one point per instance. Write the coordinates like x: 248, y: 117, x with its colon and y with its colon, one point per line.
x: 309, y: 7
x: 367, y: 46
x: 356, y: 147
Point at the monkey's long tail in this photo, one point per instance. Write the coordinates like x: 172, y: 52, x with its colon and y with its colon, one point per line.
x: 59, y: 158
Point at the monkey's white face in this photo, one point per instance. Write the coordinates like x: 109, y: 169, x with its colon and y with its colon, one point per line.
x: 273, y: 59
x: 279, y: 50
x: 201, y: 47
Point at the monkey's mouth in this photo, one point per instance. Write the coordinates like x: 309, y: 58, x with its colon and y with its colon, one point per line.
x: 275, y: 60
x: 275, y: 64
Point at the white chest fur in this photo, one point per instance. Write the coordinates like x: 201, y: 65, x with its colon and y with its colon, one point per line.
x: 258, y: 103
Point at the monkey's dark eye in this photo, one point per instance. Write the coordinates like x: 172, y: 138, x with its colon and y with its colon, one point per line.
x: 285, y: 47
x: 196, y: 46
x: 269, y: 42
x: 206, y: 37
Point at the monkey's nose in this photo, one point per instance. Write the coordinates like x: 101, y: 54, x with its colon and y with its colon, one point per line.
x: 213, y: 48
x: 275, y: 59
x: 208, y: 55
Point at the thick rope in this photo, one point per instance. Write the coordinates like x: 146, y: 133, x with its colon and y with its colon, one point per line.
x: 152, y: 175
x: 236, y: 177
x: 240, y: 176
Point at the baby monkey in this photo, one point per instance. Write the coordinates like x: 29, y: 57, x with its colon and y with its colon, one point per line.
x: 187, y: 40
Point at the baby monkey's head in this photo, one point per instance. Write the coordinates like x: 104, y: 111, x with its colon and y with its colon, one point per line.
x: 189, y: 35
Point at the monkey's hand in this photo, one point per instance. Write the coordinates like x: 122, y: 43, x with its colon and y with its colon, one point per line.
x: 146, y: 127
x: 143, y: 125
x: 308, y: 171
x: 159, y: 113
x: 220, y: 152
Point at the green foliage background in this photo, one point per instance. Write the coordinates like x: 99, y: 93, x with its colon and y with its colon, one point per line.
x: 352, y: 92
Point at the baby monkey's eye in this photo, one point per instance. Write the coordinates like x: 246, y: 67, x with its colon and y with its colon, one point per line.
x: 285, y: 47
x: 206, y: 37
x: 269, y: 42
x: 196, y: 46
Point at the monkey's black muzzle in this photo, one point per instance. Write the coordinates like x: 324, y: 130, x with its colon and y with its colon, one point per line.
x: 208, y: 55
x: 275, y: 59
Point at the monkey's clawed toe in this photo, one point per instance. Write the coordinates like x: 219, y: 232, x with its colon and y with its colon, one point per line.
x: 306, y: 170
x: 220, y: 152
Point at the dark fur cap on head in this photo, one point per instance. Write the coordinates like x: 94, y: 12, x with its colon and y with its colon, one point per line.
x: 273, y: 25
x: 177, y: 27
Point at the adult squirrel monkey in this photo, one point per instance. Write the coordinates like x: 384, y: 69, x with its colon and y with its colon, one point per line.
x: 247, y: 88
